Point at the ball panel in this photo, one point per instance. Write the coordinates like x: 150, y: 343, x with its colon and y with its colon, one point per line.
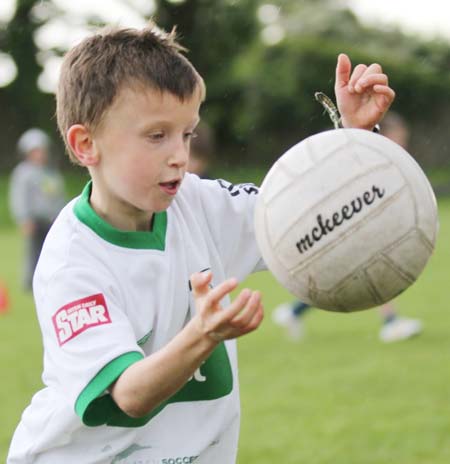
x: 314, y: 194
x: 324, y: 145
x: 298, y: 248
x: 411, y: 253
x: 353, y: 294
x: 420, y: 189
x: 387, y: 279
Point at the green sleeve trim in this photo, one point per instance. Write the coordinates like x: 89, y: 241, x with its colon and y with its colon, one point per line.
x: 92, y: 406
x: 215, y: 380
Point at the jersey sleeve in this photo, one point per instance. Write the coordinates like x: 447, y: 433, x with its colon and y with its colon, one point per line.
x: 88, y: 341
x: 229, y: 212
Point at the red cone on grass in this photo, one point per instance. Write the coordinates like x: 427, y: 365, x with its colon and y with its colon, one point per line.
x: 4, y: 298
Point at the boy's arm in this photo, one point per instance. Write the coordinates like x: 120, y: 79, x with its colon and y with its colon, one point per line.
x: 146, y: 383
x: 363, y: 96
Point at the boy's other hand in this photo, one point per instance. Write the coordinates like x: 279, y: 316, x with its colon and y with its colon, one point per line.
x: 242, y: 316
x: 363, y: 96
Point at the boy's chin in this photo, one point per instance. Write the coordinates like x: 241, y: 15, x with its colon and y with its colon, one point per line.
x: 162, y: 206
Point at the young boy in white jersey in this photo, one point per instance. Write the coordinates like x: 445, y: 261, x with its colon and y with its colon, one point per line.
x: 132, y: 287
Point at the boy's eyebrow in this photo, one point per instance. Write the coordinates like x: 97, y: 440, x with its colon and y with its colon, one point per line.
x: 150, y: 125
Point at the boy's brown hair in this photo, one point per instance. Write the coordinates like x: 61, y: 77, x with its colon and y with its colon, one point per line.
x: 94, y: 72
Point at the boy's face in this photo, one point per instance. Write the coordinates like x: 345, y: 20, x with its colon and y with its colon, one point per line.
x: 143, y: 145
x: 38, y: 156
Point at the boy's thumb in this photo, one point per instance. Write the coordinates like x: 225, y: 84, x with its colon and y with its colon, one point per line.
x: 199, y: 282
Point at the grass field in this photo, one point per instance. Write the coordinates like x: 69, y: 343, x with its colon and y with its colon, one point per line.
x: 337, y: 397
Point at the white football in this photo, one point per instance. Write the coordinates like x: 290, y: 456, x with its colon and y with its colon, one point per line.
x: 346, y: 220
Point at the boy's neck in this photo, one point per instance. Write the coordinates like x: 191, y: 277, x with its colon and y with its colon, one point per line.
x: 118, y: 214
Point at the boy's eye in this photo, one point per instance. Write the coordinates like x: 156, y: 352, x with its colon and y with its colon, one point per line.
x: 156, y: 136
x: 190, y: 135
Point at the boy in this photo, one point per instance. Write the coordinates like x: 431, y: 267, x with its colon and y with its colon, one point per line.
x: 36, y: 195
x: 132, y: 287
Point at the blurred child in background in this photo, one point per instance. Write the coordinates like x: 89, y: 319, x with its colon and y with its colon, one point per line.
x: 202, y: 149
x: 394, y: 328
x: 36, y: 195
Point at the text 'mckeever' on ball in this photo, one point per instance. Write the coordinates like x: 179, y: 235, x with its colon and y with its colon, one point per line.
x: 346, y: 220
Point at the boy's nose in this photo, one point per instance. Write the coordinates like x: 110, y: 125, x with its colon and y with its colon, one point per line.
x: 180, y: 154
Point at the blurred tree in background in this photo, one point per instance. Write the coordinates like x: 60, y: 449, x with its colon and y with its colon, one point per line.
x: 262, y: 62
x: 215, y: 32
x: 23, y: 104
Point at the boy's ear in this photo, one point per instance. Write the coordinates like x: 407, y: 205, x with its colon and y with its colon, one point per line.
x: 82, y: 144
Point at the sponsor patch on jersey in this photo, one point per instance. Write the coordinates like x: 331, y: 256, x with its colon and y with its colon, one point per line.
x: 80, y: 315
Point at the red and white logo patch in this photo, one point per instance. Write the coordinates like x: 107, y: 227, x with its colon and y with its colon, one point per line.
x: 80, y: 315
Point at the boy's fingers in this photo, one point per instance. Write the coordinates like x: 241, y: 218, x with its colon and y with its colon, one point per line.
x: 236, y: 306
x: 383, y: 96
x: 386, y: 91
x: 374, y: 68
x: 359, y: 70
x: 244, y: 317
x: 371, y: 80
x: 200, y: 282
x: 216, y: 294
x: 343, y: 70
x: 256, y: 320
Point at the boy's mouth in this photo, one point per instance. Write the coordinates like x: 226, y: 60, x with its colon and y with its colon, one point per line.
x: 170, y: 187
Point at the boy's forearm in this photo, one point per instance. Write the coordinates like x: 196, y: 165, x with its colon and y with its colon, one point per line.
x: 145, y: 384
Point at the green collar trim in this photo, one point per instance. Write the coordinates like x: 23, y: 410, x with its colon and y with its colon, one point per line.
x: 151, y: 240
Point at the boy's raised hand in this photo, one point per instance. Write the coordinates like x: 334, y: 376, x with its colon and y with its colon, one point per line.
x: 363, y: 96
x: 242, y: 316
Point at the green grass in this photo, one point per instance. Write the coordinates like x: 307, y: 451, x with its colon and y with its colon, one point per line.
x: 340, y: 396
x: 20, y: 344
x: 337, y: 397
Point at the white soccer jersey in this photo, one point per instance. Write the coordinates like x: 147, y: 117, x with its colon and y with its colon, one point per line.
x: 107, y: 298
